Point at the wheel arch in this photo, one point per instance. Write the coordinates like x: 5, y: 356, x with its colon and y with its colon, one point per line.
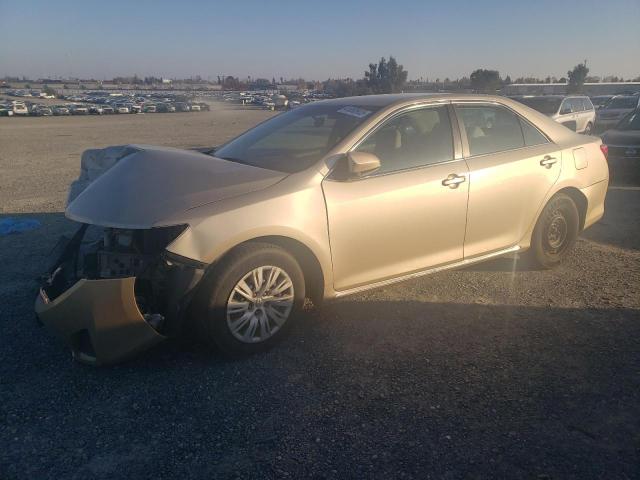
x: 579, y: 199
x: 314, y: 276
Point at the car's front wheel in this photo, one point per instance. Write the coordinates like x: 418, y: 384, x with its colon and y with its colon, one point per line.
x: 248, y: 302
x: 555, y: 232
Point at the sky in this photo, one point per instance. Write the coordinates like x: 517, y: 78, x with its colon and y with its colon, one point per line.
x: 317, y: 39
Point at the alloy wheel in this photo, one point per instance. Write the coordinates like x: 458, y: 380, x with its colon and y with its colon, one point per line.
x: 260, y: 304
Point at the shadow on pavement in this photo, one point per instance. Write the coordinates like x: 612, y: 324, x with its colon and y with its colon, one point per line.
x: 365, y: 389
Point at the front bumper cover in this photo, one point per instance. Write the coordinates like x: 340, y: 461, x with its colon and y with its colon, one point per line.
x: 99, y: 320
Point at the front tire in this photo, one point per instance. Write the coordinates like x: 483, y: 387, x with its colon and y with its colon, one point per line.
x: 249, y: 300
x: 555, y: 232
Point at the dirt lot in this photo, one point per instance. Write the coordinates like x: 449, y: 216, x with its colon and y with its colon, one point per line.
x: 40, y: 156
x: 488, y: 372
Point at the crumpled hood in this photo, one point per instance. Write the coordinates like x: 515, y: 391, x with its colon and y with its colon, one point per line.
x: 151, y: 184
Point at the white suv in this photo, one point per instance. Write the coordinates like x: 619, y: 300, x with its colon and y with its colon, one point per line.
x: 574, y: 111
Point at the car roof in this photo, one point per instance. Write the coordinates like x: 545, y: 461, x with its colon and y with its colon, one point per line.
x: 395, y: 99
x: 385, y: 100
x: 558, y: 97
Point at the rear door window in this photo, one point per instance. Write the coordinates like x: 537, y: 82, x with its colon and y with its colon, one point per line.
x: 490, y: 128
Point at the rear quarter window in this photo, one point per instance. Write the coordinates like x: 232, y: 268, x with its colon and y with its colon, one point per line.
x: 532, y: 136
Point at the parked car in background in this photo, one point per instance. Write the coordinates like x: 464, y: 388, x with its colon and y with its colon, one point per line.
x: 182, y: 107
x: 623, y: 143
x: 96, y: 110
x: 76, y: 109
x: 20, y: 108
x: 60, y: 110
x: 329, y: 199
x: 165, y: 108
x: 619, y: 106
x: 122, y: 109
x: 600, y: 101
x: 107, y: 109
x: 6, y: 110
x: 149, y: 108
x: 575, y: 112
x: 194, y: 107
x: 41, y: 111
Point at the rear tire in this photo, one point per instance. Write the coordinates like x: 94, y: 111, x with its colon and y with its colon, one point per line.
x: 248, y: 301
x: 555, y: 232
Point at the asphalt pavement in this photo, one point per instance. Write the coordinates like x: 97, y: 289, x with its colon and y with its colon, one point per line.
x: 493, y: 371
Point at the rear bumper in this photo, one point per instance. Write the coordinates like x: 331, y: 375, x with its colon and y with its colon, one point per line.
x: 595, y: 195
x: 99, y: 320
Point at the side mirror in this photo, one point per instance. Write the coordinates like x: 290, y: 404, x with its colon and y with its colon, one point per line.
x: 362, y: 162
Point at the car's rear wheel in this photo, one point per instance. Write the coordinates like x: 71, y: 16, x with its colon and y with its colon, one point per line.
x: 248, y: 302
x: 555, y: 232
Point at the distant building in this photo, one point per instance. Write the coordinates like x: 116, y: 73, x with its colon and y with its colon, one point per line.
x: 611, y: 88
x: 283, y: 87
x: 166, y: 81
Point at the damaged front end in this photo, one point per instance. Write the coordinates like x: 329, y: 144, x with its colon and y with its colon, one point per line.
x: 114, y: 292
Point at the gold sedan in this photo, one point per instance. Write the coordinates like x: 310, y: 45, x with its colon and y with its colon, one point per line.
x: 329, y: 199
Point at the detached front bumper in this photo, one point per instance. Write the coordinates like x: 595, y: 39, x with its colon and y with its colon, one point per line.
x: 98, y: 319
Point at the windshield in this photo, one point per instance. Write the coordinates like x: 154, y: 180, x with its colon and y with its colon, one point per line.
x: 623, y: 102
x: 630, y: 122
x: 295, y: 140
x: 546, y: 105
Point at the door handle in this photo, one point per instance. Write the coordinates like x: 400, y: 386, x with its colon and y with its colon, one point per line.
x: 453, y: 180
x: 548, y: 161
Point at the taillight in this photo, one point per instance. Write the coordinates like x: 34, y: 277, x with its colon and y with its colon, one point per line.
x: 605, y: 150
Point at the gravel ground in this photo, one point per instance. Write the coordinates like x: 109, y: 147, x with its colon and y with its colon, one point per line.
x: 489, y: 372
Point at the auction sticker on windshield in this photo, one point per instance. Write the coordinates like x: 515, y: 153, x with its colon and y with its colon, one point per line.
x: 354, y: 111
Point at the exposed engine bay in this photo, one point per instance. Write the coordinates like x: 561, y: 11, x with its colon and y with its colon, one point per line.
x: 163, y: 282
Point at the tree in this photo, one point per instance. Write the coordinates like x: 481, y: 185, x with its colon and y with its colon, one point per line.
x: 485, y: 81
x: 507, y: 80
x: 577, y: 76
x: 386, y: 76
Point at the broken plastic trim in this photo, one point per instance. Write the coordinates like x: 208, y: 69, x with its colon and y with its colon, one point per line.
x: 105, y: 320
